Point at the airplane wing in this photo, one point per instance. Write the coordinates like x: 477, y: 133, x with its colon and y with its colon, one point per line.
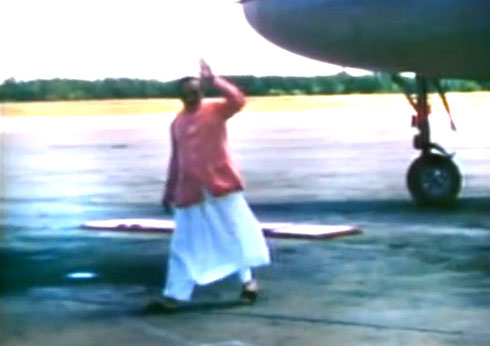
x: 434, y: 38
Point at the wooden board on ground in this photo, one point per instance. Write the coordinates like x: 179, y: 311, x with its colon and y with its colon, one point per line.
x: 270, y: 229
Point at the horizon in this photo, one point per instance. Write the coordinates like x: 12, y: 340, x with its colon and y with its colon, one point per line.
x: 368, y: 73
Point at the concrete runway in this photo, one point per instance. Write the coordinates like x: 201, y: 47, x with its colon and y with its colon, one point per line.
x: 415, y: 277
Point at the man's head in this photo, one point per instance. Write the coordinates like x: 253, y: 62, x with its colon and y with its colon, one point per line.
x: 190, y: 91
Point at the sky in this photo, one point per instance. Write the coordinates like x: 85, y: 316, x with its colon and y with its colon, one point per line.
x: 146, y: 39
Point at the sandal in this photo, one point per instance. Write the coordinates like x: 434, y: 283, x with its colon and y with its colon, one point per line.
x: 250, y: 292
x: 165, y: 304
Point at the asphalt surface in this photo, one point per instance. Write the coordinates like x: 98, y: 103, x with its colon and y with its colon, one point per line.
x: 414, y: 277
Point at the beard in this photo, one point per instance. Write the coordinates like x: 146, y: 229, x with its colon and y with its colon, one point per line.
x: 191, y: 101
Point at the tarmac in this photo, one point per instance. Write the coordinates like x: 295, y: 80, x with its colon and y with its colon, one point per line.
x: 414, y: 277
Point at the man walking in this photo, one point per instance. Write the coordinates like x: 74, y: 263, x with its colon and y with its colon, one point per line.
x: 216, y: 233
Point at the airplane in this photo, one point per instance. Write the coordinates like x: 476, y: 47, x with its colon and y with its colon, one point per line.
x: 431, y: 38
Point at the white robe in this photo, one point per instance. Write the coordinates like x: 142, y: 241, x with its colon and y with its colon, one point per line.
x: 213, y: 239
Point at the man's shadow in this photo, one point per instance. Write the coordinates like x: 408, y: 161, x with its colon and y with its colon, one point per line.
x: 153, y: 308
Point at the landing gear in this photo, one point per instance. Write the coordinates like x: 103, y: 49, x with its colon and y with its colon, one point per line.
x: 433, y: 178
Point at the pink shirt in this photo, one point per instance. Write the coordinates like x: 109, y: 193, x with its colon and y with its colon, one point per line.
x: 200, y: 159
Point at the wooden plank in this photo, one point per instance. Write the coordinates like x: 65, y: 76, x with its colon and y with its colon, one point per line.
x: 271, y: 229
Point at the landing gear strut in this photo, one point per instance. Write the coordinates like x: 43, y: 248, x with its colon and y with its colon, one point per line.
x: 433, y: 178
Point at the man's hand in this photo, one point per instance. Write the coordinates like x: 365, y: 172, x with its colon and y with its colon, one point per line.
x: 167, y: 205
x: 206, y: 73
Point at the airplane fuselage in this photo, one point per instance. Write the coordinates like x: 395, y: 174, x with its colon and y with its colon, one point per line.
x: 435, y: 38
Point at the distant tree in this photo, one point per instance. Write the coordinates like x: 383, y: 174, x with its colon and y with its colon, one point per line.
x: 461, y: 85
x: 342, y: 83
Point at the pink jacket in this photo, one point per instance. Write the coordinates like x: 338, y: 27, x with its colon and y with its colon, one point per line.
x: 200, y: 159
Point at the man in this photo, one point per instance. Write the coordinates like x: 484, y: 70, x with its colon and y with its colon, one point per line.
x: 216, y: 234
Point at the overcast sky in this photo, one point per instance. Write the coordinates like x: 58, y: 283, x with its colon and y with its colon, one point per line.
x: 148, y: 39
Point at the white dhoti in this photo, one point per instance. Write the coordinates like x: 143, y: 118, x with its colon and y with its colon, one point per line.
x: 212, y: 240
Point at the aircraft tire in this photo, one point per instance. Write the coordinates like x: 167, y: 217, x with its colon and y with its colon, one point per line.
x: 434, y: 180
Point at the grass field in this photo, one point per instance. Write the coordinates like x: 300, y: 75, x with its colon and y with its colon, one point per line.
x: 254, y: 104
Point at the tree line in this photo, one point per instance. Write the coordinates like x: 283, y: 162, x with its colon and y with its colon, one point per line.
x: 125, y: 88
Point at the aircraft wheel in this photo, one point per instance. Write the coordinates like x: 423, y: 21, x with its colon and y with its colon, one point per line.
x: 434, y: 179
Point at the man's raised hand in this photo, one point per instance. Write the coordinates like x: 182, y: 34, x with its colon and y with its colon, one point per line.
x: 206, y: 73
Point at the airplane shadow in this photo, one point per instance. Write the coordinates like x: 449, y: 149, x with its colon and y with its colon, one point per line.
x: 474, y: 205
x: 351, y: 207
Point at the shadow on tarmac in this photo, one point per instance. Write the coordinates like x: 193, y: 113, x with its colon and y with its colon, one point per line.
x: 393, y: 206
x: 46, y: 262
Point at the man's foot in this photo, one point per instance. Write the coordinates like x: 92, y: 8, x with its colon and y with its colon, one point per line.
x: 163, y: 304
x: 250, y: 292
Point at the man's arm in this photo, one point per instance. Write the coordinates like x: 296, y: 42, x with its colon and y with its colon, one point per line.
x: 172, y: 173
x: 234, y: 98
